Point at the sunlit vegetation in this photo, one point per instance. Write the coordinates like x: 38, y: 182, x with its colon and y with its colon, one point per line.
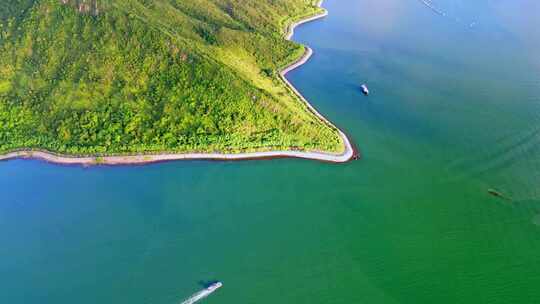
x: 131, y: 76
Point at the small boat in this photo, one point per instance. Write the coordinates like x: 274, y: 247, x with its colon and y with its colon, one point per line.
x: 498, y: 194
x: 203, y: 293
x: 365, y: 90
x: 214, y: 286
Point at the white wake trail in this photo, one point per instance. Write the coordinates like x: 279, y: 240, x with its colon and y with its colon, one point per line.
x: 203, y: 293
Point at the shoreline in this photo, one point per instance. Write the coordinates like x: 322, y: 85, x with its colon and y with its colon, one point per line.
x: 349, y: 153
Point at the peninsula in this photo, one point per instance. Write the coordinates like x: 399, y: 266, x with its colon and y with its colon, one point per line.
x: 121, y: 82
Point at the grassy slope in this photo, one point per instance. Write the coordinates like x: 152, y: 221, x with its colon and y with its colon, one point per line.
x: 149, y: 76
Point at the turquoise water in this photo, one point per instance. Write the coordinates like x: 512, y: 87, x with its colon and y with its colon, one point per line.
x: 454, y: 111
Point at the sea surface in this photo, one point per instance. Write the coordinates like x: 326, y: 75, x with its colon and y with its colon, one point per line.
x: 454, y: 111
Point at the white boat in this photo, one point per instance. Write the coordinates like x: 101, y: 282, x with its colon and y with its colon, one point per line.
x: 365, y: 89
x: 203, y: 293
x: 214, y: 286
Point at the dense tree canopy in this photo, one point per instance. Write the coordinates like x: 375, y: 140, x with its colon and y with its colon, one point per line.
x: 97, y: 76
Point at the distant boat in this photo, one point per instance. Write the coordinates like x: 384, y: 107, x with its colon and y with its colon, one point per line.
x: 203, y: 293
x: 365, y: 90
x: 214, y: 286
x: 498, y: 194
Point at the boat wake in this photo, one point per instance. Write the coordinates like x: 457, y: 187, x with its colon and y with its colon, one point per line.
x: 509, y: 164
x: 439, y: 11
x: 432, y: 7
x: 203, y: 293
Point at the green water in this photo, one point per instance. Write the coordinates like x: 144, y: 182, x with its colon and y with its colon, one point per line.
x: 454, y: 111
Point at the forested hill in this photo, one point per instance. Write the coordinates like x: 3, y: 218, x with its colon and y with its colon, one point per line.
x: 97, y: 76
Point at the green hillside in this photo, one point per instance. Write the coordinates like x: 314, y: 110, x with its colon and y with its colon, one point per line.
x: 97, y: 76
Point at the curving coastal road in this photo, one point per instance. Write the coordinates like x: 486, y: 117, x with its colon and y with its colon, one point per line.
x: 347, y: 155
